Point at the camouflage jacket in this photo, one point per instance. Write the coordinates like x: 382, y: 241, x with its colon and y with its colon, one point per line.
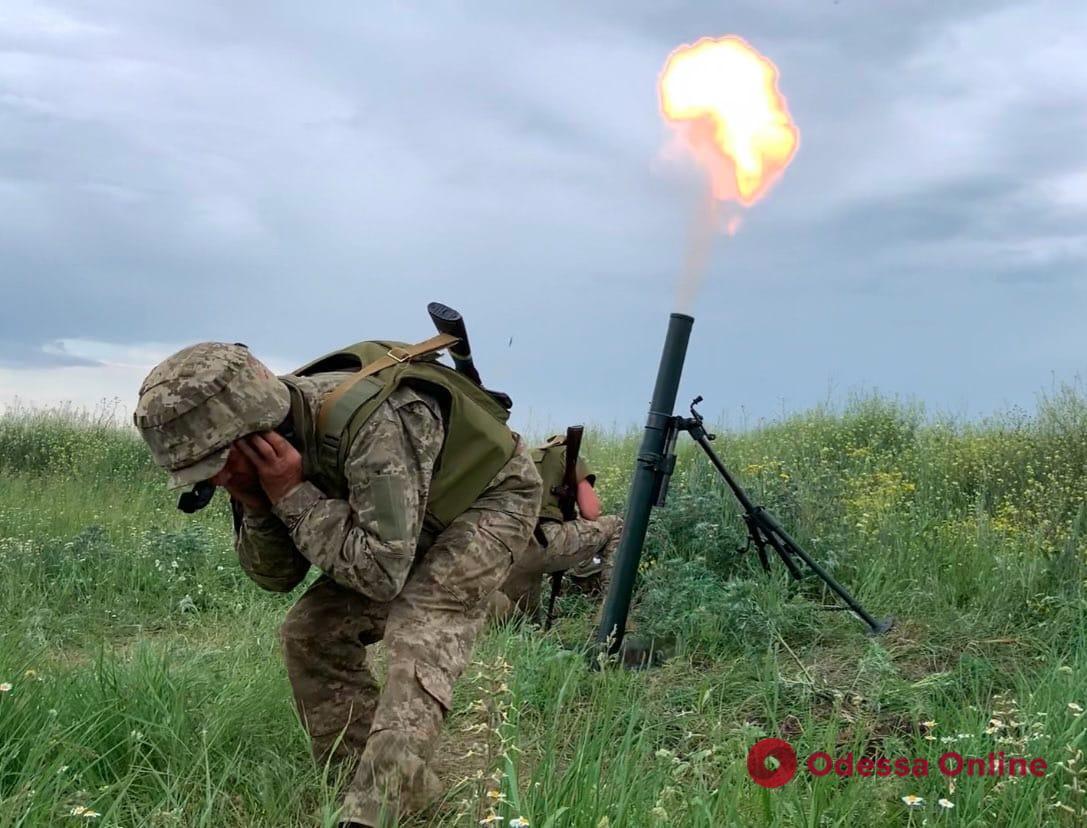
x: 388, y: 471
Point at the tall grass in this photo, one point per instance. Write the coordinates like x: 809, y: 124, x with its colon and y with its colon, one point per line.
x: 146, y: 684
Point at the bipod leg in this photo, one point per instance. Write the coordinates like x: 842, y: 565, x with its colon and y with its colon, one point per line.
x: 786, y: 558
x: 875, y: 626
x: 776, y: 535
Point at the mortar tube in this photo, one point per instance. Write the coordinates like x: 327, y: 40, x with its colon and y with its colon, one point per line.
x: 643, y: 485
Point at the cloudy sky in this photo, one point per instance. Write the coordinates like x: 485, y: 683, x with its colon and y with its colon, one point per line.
x: 299, y: 176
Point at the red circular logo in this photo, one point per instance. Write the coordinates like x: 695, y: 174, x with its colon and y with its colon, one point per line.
x: 759, y: 769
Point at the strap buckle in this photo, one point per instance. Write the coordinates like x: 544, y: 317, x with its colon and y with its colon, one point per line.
x: 399, y: 354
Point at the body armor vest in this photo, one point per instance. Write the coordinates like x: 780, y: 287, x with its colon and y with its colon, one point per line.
x: 477, y: 441
x: 550, y: 462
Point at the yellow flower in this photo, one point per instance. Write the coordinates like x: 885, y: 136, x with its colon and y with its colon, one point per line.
x: 493, y: 794
x: 913, y: 801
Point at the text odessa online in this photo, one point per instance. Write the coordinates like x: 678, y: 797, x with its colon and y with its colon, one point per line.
x: 949, y: 764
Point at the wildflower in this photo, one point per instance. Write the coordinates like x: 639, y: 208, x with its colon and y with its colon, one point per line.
x: 493, y: 794
x: 946, y: 804
x: 83, y: 811
x: 913, y: 801
x: 519, y: 822
x: 929, y: 725
x: 30, y: 675
x: 5, y: 687
x: 1075, y: 708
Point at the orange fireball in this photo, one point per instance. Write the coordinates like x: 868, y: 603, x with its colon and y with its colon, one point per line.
x: 723, y: 98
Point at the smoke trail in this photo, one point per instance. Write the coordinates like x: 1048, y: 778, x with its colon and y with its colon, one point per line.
x: 700, y: 233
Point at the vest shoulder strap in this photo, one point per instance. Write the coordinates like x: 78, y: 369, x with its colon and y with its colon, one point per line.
x: 343, y: 400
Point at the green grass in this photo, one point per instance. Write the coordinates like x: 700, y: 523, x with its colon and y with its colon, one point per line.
x: 147, y: 686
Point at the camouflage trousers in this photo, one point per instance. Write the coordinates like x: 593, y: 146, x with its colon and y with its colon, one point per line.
x: 583, y: 549
x: 428, y: 631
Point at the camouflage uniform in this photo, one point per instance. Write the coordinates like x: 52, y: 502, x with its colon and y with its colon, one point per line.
x: 583, y: 549
x: 425, y: 596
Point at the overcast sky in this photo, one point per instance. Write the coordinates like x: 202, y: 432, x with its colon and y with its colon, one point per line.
x: 299, y: 176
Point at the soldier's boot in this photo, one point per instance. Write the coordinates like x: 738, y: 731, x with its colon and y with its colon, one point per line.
x: 324, y: 639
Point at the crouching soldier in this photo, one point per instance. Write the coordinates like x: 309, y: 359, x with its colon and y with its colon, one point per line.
x: 399, y: 480
x: 572, y: 540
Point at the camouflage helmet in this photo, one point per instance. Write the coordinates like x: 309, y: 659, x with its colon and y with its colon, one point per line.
x: 194, y: 404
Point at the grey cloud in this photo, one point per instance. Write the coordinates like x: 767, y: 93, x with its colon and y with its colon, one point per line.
x: 48, y: 355
x: 295, y: 179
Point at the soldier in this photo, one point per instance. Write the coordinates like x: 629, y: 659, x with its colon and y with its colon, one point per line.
x: 400, y: 481
x: 578, y: 543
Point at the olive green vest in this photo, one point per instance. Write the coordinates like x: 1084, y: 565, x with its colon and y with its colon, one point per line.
x: 550, y: 462
x: 477, y: 441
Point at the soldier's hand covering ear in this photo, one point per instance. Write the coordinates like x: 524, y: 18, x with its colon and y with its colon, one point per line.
x: 278, y: 463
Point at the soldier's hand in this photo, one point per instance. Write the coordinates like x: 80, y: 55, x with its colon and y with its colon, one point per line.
x: 278, y: 463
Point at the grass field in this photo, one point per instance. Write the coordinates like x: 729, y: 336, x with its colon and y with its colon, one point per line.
x: 142, y: 684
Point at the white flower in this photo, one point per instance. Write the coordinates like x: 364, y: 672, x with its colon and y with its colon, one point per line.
x: 5, y: 687
x: 946, y: 804
x: 929, y: 724
x: 519, y: 822
x: 1075, y: 708
x: 913, y: 801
